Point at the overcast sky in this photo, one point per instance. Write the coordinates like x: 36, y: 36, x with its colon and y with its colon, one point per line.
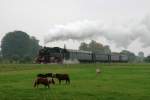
x: 121, y: 24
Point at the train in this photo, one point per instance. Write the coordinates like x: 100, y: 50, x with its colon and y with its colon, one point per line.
x: 58, y: 55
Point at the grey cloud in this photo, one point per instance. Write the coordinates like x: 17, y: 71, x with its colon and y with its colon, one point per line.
x: 122, y: 34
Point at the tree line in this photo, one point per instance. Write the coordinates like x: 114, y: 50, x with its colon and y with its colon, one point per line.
x: 105, y: 49
x: 19, y: 47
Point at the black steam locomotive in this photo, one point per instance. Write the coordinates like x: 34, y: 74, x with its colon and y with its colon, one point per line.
x: 58, y: 55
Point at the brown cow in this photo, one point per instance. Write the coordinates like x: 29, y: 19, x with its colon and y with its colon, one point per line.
x: 62, y: 77
x: 41, y: 80
x: 47, y: 75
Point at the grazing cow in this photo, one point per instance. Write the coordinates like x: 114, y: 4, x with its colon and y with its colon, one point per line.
x: 62, y: 77
x: 46, y: 76
x: 41, y: 75
x: 41, y: 80
x: 49, y: 75
x: 52, y: 81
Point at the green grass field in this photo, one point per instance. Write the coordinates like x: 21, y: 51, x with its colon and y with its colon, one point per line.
x: 116, y: 82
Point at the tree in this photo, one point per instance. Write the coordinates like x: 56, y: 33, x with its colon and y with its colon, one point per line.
x: 107, y: 49
x: 34, y: 46
x: 147, y: 59
x: 18, y: 46
x: 83, y: 46
x: 95, y: 47
x: 131, y: 56
x: 140, y: 56
x: 15, y: 44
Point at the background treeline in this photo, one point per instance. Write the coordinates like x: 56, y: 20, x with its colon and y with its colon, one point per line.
x: 104, y: 49
x: 19, y: 47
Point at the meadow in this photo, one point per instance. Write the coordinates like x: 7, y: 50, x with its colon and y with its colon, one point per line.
x: 115, y: 82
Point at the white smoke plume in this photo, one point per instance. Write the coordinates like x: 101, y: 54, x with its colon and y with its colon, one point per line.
x: 122, y: 34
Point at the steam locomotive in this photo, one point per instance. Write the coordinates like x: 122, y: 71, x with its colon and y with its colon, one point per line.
x: 58, y: 55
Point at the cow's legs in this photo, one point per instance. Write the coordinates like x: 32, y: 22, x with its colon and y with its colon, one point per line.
x: 59, y: 81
